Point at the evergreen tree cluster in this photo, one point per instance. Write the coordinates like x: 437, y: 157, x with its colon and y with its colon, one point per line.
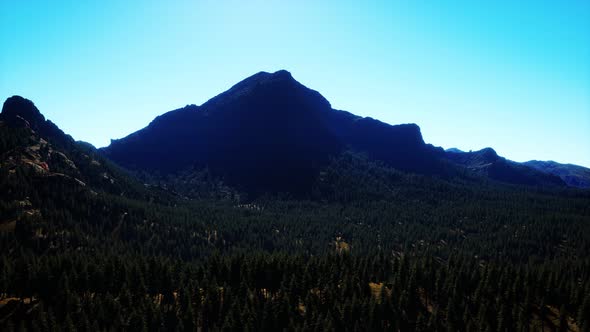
x: 369, y: 249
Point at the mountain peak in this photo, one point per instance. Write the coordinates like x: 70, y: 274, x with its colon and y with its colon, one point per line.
x: 268, y: 133
x: 19, y: 111
x: 488, y: 153
x: 267, y: 76
x: 275, y: 87
x: 264, y: 78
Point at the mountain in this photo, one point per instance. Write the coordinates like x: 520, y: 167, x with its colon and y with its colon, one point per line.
x: 20, y: 112
x: 34, y: 150
x: 454, y: 150
x: 268, y: 133
x: 572, y: 175
x: 487, y: 163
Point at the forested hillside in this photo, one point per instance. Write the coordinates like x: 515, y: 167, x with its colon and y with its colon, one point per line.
x: 87, y: 246
x: 375, y: 249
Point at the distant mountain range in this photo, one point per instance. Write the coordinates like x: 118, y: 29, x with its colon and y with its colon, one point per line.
x: 573, y: 175
x: 487, y: 163
x: 270, y: 133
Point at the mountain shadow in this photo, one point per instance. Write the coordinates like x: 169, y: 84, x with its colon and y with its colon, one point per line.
x: 268, y: 133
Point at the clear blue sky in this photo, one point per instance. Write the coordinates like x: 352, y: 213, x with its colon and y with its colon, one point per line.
x: 513, y: 75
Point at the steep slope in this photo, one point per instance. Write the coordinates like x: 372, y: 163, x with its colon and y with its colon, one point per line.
x: 572, y: 175
x: 487, y: 163
x: 35, y: 150
x: 267, y: 133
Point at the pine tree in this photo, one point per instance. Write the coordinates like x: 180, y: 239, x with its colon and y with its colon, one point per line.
x: 23, y: 326
x: 584, y: 314
x: 563, y: 325
x: 69, y: 324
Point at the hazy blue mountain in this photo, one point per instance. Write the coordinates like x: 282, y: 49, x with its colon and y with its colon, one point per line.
x: 572, y: 175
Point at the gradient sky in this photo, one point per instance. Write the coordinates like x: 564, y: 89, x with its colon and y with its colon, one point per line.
x: 513, y: 75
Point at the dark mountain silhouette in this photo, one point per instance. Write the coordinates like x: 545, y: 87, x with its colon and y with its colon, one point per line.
x: 20, y: 112
x: 36, y: 148
x: 268, y: 133
x: 271, y: 133
x: 572, y: 175
x: 487, y: 163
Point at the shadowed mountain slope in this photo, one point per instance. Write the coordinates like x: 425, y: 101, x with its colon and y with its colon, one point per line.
x: 487, y: 163
x: 268, y: 133
x: 572, y: 175
x: 35, y: 150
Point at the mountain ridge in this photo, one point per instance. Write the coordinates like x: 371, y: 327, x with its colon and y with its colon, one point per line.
x: 269, y: 132
x: 573, y: 175
x: 19, y: 111
x: 37, y: 148
x: 486, y: 162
